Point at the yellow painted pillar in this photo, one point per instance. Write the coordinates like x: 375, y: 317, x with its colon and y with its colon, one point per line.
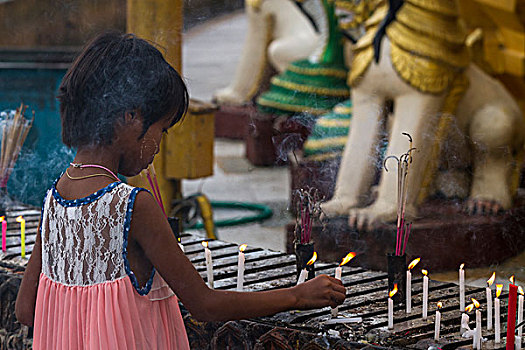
x: 159, y: 21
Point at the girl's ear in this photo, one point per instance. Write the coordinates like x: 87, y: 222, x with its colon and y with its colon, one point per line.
x: 130, y: 116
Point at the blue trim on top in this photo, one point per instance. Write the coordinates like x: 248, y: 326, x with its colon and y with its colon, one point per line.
x: 85, y: 200
x: 127, y: 223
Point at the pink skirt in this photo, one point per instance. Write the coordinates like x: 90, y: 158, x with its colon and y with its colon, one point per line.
x: 109, y: 315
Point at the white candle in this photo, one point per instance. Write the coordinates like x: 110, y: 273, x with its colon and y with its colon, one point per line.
x: 304, y: 272
x: 488, y: 292
x: 302, y: 276
x: 425, y: 294
x: 437, y: 324
x: 478, y: 329
x: 209, y: 263
x: 390, y: 313
x: 391, y: 307
x: 461, y: 288
x: 409, y: 285
x: 240, y: 268
x: 409, y: 292
x: 464, y: 323
x: 517, y: 343
x: 520, y: 312
x: 497, y: 326
x: 338, y: 273
x: 497, y: 321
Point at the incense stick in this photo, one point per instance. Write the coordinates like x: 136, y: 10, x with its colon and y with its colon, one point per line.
x: 308, y: 204
x: 155, y: 182
x: 403, y: 165
x: 15, y: 130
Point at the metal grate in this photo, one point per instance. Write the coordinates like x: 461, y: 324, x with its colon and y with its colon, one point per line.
x: 266, y: 270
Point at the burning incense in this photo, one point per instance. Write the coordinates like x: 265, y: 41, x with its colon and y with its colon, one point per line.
x: 308, y: 210
x: 15, y: 128
x: 151, y: 175
x: 403, y: 228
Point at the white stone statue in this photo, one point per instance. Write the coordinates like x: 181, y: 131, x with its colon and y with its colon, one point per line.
x: 458, y: 117
x: 279, y: 32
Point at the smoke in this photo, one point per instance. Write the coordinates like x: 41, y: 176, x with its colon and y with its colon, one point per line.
x: 36, y: 170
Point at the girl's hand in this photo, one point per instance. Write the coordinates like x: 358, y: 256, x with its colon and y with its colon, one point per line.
x: 320, y: 292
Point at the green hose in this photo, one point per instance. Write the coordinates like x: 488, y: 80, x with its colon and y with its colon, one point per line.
x: 263, y: 213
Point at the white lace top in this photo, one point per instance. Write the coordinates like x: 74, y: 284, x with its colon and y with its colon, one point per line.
x: 84, y: 240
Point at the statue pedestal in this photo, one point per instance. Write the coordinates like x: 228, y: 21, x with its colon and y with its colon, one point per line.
x: 269, y: 138
x: 232, y: 122
x: 444, y: 237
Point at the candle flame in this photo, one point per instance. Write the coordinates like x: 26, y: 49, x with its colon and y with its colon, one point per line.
x: 242, y: 247
x: 491, y: 279
x: 475, y: 302
x: 424, y: 272
x: 347, y: 258
x: 469, y: 308
x: 312, y: 260
x: 2, y: 218
x: 461, y: 266
x: 439, y: 305
x: 520, y: 290
x: 21, y: 219
x: 511, y: 279
x: 499, y: 288
x: 205, y: 244
x: 413, y: 263
x: 393, y: 291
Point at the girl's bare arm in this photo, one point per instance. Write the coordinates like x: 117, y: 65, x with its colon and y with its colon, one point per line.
x: 26, y: 298
x: 153, y: 233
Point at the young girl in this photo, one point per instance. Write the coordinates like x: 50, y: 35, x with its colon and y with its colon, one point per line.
x: 94, y: 278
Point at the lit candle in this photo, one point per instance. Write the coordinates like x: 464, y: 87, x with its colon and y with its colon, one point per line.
x: 461, y: 288
x: 425, y: 294
x: 465, y: 320
x: 304, y: 272
x: 511, y: 314
x: 391, y: 307
x: 488, y: 292
x: 497, y: 313
x: 520, y: 312
x: 409, y: 285
x: 209, y: 263
x: 4, y: 233
x: 338, y: 274
x: 477, y: 335
x: 22, y: 222
x: 240, y: 268
x: 437, y: 324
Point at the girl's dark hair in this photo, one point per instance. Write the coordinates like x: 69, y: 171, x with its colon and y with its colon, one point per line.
x: 117, y: 73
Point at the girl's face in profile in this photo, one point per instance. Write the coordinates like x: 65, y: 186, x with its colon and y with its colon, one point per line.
x: 138, y: 153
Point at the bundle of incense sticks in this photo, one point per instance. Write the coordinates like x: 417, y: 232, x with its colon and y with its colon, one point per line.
x: 403, y: 228
x: 15, y: 128
x: 308, y: 210
x: 151, y: 175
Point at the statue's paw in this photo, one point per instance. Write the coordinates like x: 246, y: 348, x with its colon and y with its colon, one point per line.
x: 366, y: 219
x: 227, y: 96
x: 477, y: 206
x: 336, y: 207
